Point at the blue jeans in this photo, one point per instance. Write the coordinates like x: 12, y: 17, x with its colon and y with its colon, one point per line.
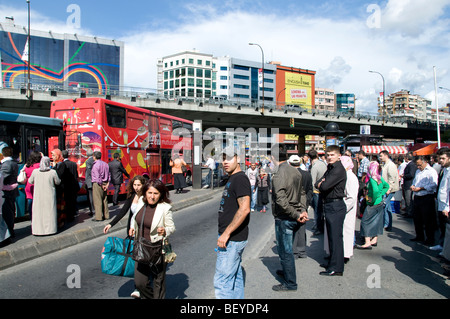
x: 284, y: 232
x: 229, y: 276
x: 388, y: 211
x: 254, y: 197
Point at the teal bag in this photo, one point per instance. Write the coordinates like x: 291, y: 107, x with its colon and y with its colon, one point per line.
x: 116, y: 257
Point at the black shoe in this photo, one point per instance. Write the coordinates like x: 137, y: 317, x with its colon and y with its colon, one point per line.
x: 362, y: 247
x: 331, y: 273
x: 282, y: 287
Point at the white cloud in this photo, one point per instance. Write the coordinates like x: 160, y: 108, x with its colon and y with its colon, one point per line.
x: 413, y: 38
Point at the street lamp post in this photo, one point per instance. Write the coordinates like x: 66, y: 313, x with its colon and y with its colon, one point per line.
x: 384, y: 93
x: 262, y: 71
x: 29, y: 93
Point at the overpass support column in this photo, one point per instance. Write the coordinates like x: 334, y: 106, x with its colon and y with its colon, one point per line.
x: 301, y: 144
x: 197, y: 155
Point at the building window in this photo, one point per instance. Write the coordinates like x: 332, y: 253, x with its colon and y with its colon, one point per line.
x: 199, y: 73
x: 241, y: 86
x: 199, y: 62
x: 223, y: 68
x: 208, y: 63
x: 207, y: 84
x: 199, y: 83
x: 241, y: 77
x: 241, y: 67
x: 223, y: 77
x: 223, y: 87
x: 191, y: 82
x: 191, y: 71
x: 191, y: 61
x: 208, y: 74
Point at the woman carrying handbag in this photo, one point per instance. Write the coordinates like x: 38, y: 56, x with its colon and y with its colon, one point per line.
x: 151, y: 225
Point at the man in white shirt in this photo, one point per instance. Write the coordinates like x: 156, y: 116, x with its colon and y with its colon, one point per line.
x: 211, y: 164
x: 443, y: 196
x: 252, y: 173
x: 423, y: 187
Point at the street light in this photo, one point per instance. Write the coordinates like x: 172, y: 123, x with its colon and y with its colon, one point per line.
x: 29, y: 93
x: 262, y: 71
x: 384, y: 93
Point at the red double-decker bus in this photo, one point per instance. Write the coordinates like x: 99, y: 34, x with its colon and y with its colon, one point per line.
x: 146, y: 140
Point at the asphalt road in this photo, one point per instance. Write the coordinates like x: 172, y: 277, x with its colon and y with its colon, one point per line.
x: 396, y: 269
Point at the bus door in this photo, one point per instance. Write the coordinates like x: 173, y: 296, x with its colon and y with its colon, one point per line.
x: 154, y: 149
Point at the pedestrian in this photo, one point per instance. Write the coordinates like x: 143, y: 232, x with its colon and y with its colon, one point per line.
x: 233, y: 220
x: 88, y: 180
x: 443, y: 195
x: 299, y: 244
x: 390, y: 175
x: 100, y: 182
x: 373, y: 218
x: 264, y: 188
x: 5, y: 236
x: 45, y: 215
x: 317, y: 169
x: 349, y: 153
x: 10, y: 170
x: 351, y: 202
x: 424, y: 214
x: 68, y: 174
x: 252, y: 173
x: 156, y: 218
x: 179, y: 180
x: 290, y: 211
x: 408, y: 176
x: 117, y: 171
x: 363, y: 166
x: 211, y: 165
x: 32, y: 163
x: 56, y: 162
x: 332, y: 185
x: 132, y: 205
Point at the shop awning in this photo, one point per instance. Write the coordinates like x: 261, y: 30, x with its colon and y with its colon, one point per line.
x: 430, y: 149
x: 375, y: 149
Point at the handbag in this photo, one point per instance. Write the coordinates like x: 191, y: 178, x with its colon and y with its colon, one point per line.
x: 145, y: 251
x: 169, y: 254
x: 116, y: 257
x: 22, y: 177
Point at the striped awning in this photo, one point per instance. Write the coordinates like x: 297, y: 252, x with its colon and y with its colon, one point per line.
x: 375, y: 149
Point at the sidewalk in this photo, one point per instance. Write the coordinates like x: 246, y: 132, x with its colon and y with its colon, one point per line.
x: 25, y: 246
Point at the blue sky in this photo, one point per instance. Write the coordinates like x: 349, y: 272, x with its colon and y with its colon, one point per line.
x: 341, y: 40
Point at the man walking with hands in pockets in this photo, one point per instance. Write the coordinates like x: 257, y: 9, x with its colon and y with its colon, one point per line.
x: 233, y: 229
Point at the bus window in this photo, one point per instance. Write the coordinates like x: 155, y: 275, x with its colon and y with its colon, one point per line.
x: 11, y: 134
x: 116, y: 116
x: 176, y: 124
x: 34, y: 141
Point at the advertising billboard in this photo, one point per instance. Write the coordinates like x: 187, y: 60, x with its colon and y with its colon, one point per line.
x: 298, y: 89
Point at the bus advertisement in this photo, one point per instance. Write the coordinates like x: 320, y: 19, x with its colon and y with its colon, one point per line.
x: 145, y: 140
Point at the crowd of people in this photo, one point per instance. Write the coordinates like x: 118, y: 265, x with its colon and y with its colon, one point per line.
x: 339, y: 189
x: 51, y: 189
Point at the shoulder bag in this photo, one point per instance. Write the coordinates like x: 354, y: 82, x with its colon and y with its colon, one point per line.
x: 145, y: 251
x: 22, y: 177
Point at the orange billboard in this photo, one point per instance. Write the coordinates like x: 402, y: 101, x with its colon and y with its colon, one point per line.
x: 295, y: 87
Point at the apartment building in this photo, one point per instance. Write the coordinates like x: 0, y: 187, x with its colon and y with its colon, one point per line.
x: 325, y: 100
x: 404, y: 105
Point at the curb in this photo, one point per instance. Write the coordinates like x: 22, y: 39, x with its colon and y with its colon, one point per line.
x: 43, y: 246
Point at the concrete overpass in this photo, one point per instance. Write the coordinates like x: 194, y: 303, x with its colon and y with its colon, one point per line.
x: 225, y: 115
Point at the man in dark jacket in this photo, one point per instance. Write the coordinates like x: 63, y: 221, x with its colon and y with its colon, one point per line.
x: 290, y: 210
x: 9, y: 170
x: 117, y: 170
x: 408, y: 176
x: 68, y: 173
x: 332, y: 186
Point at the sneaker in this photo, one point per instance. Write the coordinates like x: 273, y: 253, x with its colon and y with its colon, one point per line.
x: 437, y: 247
x: 136, y: 294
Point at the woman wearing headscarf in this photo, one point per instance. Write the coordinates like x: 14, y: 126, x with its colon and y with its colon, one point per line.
x: 351, y: 201
x: 373, y: 218
x: 33, y: 163
x: 44, y: 219
x: 56, y: 162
